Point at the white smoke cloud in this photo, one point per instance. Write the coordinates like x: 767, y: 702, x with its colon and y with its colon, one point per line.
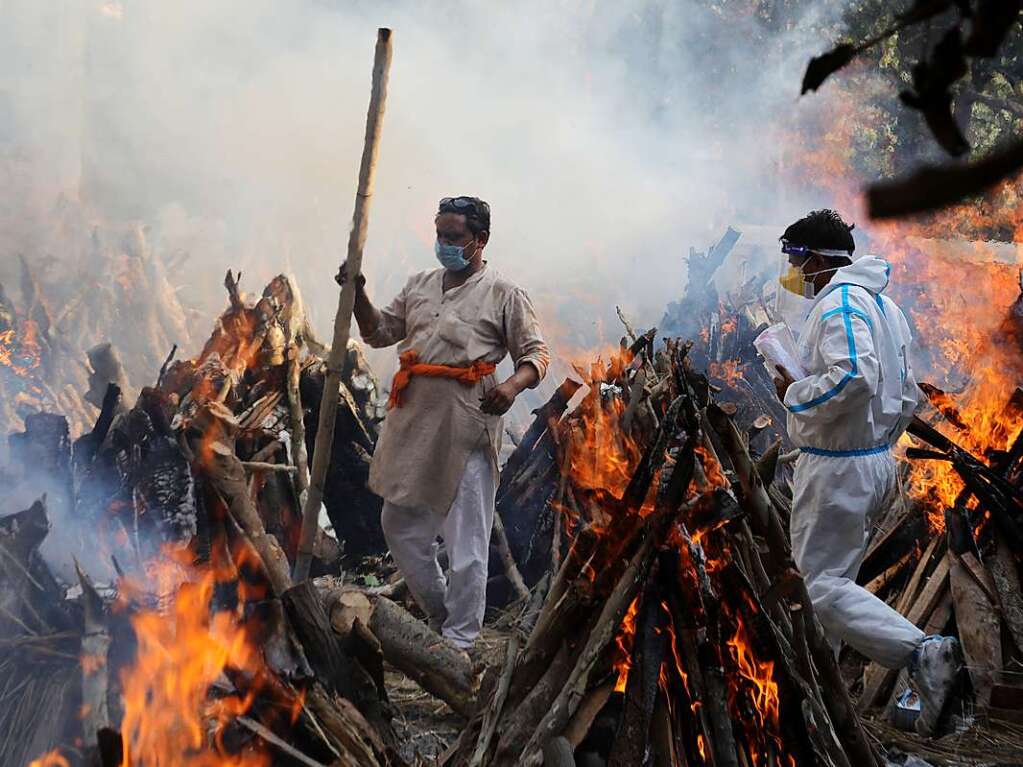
x: 608, y: 137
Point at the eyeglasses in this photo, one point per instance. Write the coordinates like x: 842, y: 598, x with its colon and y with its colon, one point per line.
x: 464, y: 205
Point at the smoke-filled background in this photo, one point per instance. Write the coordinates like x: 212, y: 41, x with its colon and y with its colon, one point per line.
x: 608, y: 137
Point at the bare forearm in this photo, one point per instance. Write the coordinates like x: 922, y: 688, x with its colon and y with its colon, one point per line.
x: 525, y: 377
x: 366, y: 315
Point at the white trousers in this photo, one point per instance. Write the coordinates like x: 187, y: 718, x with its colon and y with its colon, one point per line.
x: 455, y: 607
x: 835, y: 501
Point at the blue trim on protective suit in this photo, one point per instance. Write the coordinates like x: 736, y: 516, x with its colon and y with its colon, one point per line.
x: 846, y: 453
x: 848, y: 310
x: 852, y: 360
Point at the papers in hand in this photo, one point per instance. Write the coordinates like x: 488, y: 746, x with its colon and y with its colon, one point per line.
x: 777, y: 346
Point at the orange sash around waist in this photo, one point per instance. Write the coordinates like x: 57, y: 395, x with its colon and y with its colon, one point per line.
x: 411, y: 366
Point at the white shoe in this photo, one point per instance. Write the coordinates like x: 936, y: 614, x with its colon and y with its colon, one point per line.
x: 937, y: 662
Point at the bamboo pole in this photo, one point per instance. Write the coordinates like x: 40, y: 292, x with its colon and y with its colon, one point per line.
x: 346, y: 304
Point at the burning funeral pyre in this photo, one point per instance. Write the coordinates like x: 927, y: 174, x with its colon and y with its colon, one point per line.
x: 640, y: 555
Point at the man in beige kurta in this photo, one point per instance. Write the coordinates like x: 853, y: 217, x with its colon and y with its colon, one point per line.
x: 435, y: 464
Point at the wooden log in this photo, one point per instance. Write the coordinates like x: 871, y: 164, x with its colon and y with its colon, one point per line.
x: 552, y: 409
x: 898, y: 538
x: 709, y: 652
x: 227, y: 476
x: 979, y: 630
x: 280, y: 744
x: 662, y: 737
x: 1005, y: 573
x: 337, y: 670
x: 767, y: 464
x: 649, y: 645
x: 582, y: 720
x: 431, y: 661
x: 362, y: 645
x: 767, y: 524
x: 517, y: 728
x: 493, y: 713
x: 605, y: 627
x: 345, y: 606
x: 562, y: 621
x: 883, y: 580
x: 500, y: 540
x: 95, y: 646
x: 322, y: 646
x: 558, y: 752
x: 578, y: 556
x: 346, y: 303
x: 350, y: 734
x: 934, y: 550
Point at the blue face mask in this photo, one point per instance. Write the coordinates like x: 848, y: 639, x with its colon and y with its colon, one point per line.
x: 451, y: 257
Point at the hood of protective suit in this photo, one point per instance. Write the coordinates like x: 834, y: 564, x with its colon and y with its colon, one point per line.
x: 869, y: 272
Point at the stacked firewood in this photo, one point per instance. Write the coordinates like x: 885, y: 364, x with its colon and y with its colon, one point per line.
x: 211, y: 460
x: 671, y: 625
x: 964, y: 579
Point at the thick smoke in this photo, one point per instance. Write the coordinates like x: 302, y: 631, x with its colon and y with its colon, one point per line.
x: 608, y: 137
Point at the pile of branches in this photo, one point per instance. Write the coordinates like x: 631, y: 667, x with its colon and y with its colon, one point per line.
x: 105, y: 314
x: 672, y: 625
x: 213, y: 461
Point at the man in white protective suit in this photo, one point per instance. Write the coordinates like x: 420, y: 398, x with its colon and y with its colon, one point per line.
x: 855, y: 401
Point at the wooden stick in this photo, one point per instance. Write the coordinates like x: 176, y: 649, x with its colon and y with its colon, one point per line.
x: 346, y: 304
x: 281, y: 745
x: 262, y: 466
x: 95, y: 646
x: 295, y: 411
x: 511, y: 569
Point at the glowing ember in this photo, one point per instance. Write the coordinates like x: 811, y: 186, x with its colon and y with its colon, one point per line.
x: 729, y: 372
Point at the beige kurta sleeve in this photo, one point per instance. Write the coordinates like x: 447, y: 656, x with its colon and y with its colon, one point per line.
x: 522, y: 333
x: 391, y: 329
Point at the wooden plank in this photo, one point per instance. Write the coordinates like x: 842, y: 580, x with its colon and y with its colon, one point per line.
x: 1006, y: 578
x: 912, y: 588
x: 939, y: 618
x: 982, y: 577
x: 979, y: 630
x: 894, y: 540
x: 888, y: 575
x: 877, y: 679
x: 931, y: 595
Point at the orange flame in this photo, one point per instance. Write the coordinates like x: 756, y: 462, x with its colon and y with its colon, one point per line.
x: 760, y: 674
x: 50, y: 759
x: 623, y: 646
x: 956, y: 285
x: 168, y: 719
x: 20, y: 352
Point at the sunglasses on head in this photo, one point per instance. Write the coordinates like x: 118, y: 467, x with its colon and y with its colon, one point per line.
x: 464, y: 205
